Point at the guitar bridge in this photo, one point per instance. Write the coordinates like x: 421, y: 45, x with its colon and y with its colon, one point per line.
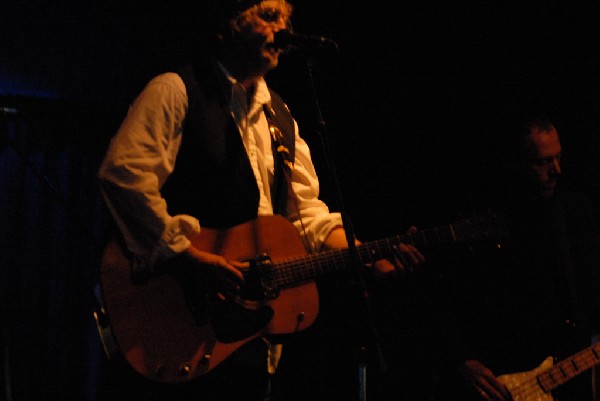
x: 246, y: 314
x: 259, y: 280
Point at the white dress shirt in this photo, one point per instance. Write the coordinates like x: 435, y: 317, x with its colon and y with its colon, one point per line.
x: 142, y: 155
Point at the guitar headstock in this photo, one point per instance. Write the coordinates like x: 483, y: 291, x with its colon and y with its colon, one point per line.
x: 489, y: 226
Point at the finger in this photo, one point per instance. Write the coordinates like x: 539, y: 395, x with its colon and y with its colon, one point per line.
x: 409, y: 256
x: 494, y: 388
x: 226, y: 278
x: 499, y: 391
x: 507, y: 394
x: 382, y: 268
x: 482, y: 394
x: 401, y: 263
x: 416, y: 257
x: 233, y: 270
x: 224, y: 286
x: 494, y: 391
x: 411, y: 230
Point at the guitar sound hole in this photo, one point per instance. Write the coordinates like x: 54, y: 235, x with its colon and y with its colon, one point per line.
x: 232, y: 321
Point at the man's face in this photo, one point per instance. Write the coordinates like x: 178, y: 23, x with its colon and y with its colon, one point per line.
x: 254, y: 32
x: 544, y: 162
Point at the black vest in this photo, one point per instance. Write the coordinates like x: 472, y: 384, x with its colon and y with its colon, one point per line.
x: 213, y: 179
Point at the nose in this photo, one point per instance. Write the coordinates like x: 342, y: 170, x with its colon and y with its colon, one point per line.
x: 280, y: 24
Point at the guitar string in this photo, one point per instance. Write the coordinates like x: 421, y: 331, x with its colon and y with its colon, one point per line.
x: 285, y: 268
x: 317, y: 260
x: 529, y: 386
x: 284, y: 273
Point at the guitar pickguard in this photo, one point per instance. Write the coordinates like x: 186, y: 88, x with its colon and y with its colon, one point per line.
x: 524, y: 386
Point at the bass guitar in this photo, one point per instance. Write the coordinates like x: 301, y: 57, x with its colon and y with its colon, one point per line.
x: 536, y: 385
x: 171, y: 329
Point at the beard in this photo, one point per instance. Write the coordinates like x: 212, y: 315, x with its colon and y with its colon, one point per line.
x: 250, y: 55
x: 260, y: 59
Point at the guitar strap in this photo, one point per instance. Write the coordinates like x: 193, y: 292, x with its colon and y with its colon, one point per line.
x: 284, y: 163
x: 282, y: 185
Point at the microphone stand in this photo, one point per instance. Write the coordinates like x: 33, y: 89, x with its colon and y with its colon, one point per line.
x: 362, y: 352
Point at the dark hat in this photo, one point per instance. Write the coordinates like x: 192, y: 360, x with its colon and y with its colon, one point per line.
x: 230, y: 8
x: 204, y: 19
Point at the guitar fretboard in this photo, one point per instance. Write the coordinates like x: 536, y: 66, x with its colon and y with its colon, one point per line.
x: 568, y: 368
x: 293, y: 271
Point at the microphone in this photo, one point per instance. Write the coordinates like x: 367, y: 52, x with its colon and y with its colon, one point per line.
x: 285, y: 39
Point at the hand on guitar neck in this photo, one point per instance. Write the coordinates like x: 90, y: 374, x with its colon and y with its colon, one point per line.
x: 226, y: 277
x: 404, y: 259
x: 170, y: 330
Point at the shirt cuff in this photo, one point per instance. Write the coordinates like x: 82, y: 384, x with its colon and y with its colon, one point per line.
x: 175, y: 238
x: 318, y: 229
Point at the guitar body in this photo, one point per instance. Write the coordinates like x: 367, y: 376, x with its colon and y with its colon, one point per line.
x: 153, y: 324
x: 537, y: 384
x: 524, y: 386
x: 171, y: 329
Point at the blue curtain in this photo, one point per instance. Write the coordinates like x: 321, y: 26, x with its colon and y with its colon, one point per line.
x: 52, y: 224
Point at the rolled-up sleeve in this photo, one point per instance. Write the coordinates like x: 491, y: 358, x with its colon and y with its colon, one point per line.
x: 140, y: 158
x: 314, y: 220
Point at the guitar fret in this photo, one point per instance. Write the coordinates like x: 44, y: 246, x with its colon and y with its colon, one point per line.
x: 452, y: 233
x: 562, y: 371
x: 548, y: 377
x: 425, y: 243
x: 574, y: 363
x: 263, y: 235
x: 288, y: 272
x: 584, y: 359
x: 568, y: 368
x: 408, y: 238
x: 379, y: 252
x: 368, y: 254
x: 541, y: 381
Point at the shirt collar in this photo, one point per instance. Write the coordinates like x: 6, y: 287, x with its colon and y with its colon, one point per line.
x: 262, y: 96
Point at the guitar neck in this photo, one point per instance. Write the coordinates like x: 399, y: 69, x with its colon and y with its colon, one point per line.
x: 313, y: 266
x: 568, y: 368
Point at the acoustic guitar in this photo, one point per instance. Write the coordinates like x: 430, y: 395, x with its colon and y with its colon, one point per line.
x: 170, y: 328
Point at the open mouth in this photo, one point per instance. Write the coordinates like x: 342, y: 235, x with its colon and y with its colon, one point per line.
x: 271, y: 47
x: 274, y: 46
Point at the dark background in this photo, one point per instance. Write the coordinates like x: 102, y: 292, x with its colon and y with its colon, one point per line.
x: 410, y: 103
